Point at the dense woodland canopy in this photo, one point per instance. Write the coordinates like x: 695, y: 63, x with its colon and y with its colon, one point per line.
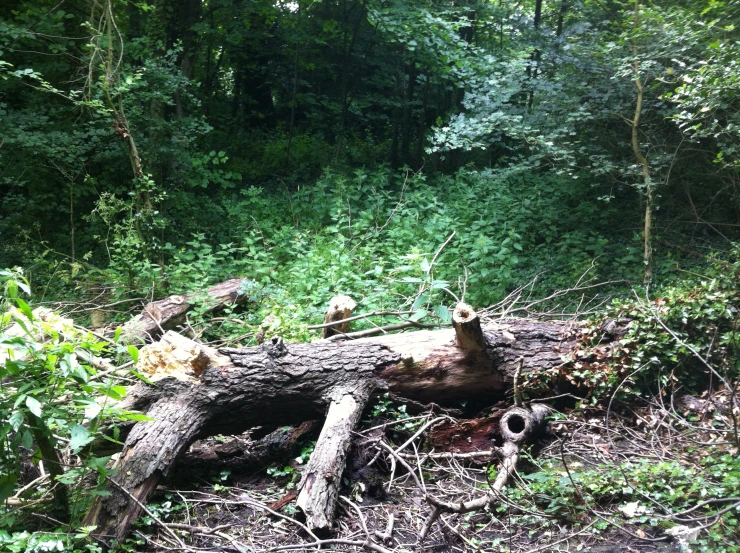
x: 151, y: 143
x: 407, y: 153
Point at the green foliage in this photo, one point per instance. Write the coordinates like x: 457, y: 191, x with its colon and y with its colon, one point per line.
x: 269, y: 138
x: 703, y: 321
x: 385, y: 243
x: 43, y: 542
x: 290, y: 474
x: 53, y: 404
x: 386, y: 408
x: 644, y: 490
x: 166, y: 509
x: 707, y: 92
x: 679, y: 342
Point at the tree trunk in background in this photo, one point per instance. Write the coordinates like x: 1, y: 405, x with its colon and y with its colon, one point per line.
x: 349, y: 42
x: 409, y: 88
x: 648, y: 193
x: 422, y: 132
x: 187, y: 15
x: 397, y: 115
x: 294, y: 95
x: 561, y: 17
x: 535, y: 58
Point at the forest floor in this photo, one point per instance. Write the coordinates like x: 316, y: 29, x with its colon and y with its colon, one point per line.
x: 597, y: 481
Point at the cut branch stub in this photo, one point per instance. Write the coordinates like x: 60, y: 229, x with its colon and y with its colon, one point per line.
x: 467, y: 328
x: 340, y: 308
x: 519, y: 423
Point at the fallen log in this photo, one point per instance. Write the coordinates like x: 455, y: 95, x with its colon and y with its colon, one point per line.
x: 319, y: 486
x: 245, y: 455
x: 159, y: 316
x: 275, y: 384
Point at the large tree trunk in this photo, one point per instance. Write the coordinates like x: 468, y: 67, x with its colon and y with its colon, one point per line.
x: 278, y: 384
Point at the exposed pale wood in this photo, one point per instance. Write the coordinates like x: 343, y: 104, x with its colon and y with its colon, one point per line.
x: 178, y: 357
x: 467, y: 327
x: 52, y: 323
x: 319, y: 486
x: 162, y: 315
x: 340, y: 308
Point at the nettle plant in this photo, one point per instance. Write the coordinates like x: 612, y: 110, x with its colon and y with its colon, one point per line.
x: 57, y: 394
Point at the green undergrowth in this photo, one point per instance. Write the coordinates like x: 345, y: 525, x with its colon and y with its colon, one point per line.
x: 392, y: 241
x: 646, y: 495
x: 56, y: 397
x: 682, y: 339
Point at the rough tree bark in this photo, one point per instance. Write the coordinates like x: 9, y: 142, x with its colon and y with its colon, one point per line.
x: 319, y: 489
x: 166, y: 314
x: 278, y: 384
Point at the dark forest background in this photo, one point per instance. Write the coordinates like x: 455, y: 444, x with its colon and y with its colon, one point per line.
x: 325, y: 147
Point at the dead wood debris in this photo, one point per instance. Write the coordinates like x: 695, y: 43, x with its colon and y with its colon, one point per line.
x: 238, y: 518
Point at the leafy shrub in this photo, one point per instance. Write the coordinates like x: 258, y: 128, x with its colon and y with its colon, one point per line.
x: 684, y: 339
x: 54, y: 402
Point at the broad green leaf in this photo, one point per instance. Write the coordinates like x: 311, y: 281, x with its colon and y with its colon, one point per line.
x: 142, y: 377
x: 420, y: 300
x: 15, y: 420
x: 443, y: 312
x: 11, y: 289
x: 115, y: 392
x: 7, y: 486
x: 81, y: 373
x: 420, y: 314
x: 131, y: 416
x: 33, y: 405
x: 79, y: 437
x: 134, y: 353
x: 25, y: 308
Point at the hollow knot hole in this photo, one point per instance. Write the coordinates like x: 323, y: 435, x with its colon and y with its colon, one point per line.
x: 516, y: 424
